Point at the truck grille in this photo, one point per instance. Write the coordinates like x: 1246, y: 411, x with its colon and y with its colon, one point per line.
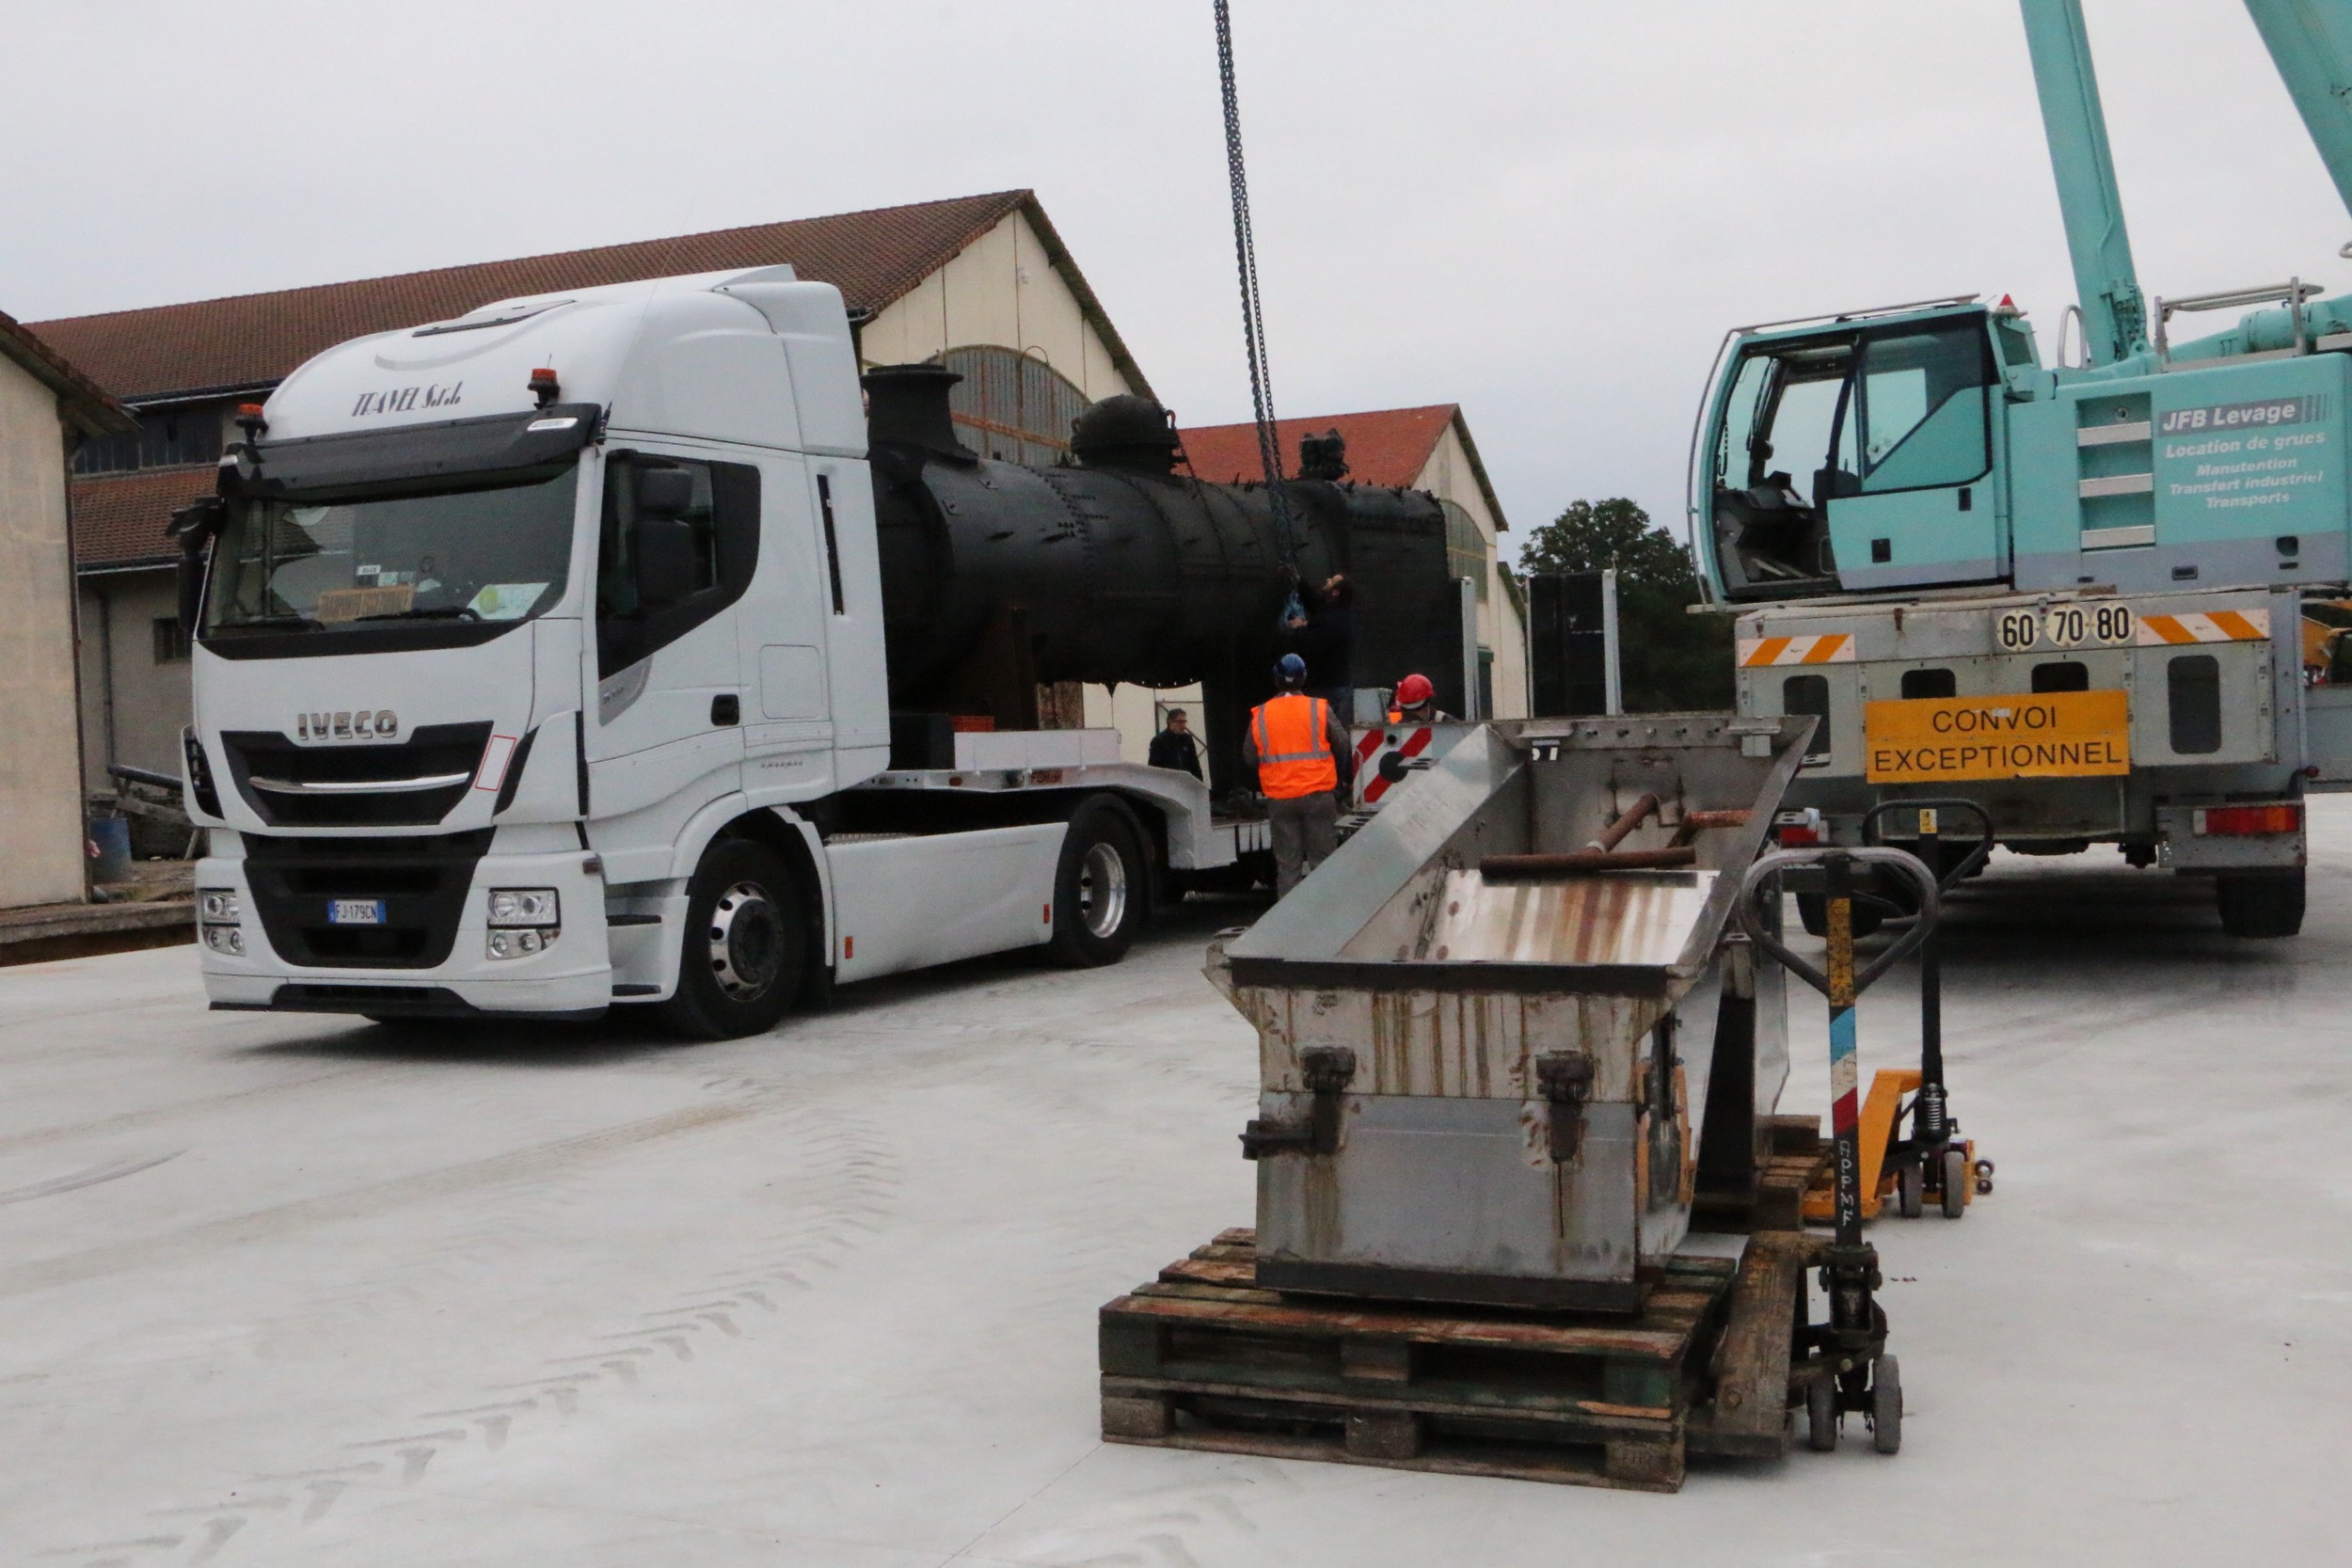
x: 421, y: 882
x: 416, y: 782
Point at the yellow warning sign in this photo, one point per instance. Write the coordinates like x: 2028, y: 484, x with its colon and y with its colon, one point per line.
x: 2048, y: 735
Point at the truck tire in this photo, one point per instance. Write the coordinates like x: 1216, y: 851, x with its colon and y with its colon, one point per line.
x: 746, y: 944
x: 1099, y: 888
x: 2259, y: 903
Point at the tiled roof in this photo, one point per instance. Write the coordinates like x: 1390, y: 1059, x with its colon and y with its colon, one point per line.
x: 1385, y: 446
x: 872, y: 256
x: 119, y: 519
x: 86, y: 402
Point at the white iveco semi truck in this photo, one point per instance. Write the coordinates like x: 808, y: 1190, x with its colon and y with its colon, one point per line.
x: 553, y: 656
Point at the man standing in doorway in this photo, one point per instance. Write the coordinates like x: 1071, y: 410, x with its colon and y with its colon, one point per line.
x: 1176, y: 746
x: 1296, y: 743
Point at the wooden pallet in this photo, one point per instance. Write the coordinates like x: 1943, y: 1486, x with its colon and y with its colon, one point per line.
x: 1202, y: 1358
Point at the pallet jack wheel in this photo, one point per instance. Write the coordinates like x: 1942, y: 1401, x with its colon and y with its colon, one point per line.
x: 1910, y: 1177
x: 1886, y: 1405
x: 1955, y: 1183
x: 1820, y: 1413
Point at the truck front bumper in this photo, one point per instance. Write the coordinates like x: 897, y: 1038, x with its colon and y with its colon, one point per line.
x: 429, y: 957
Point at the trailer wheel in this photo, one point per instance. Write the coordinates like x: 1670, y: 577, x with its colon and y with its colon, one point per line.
x: 1812, y: 909
x: 1886, y: 1405
x: 1100, y: 888
x: 1820, y: 1413
x: 2259, y: 903
x: 745, y: 945
x: 1955, y: 1178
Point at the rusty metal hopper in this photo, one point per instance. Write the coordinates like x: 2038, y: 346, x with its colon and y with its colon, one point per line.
x: 1484, y: 1043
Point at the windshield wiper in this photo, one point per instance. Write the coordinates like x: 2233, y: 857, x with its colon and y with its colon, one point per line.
x: 439, y: 612
x: 270, y: 622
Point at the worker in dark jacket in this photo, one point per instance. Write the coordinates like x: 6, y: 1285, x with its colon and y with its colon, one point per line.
x: 1176, y: 746
x: 1326, y: 638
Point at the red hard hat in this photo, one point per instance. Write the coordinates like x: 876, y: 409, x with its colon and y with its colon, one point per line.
x: 1413, y: 690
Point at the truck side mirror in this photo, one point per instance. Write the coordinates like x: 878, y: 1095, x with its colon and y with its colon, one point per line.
x: 666, y: 568
x: 194, y: 526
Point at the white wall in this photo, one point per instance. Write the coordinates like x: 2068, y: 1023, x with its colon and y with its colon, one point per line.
x: 40, y: 793
x: 1000, y: 290
x: 1450, y: 476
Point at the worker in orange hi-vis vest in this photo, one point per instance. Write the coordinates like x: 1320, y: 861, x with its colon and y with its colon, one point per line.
x: 1297, y: 746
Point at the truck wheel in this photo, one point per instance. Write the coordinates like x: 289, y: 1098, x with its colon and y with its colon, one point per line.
x: 746, y: 947
x: 1812, y: 909
x: 1099, y: 888
x: 2259, y: 903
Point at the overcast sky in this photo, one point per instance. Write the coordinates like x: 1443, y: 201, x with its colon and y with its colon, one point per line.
x: 1546, y: 212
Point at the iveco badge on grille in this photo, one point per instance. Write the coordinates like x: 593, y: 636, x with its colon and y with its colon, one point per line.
x: 348, y: 724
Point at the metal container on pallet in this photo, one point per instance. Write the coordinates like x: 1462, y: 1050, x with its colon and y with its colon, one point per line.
x: 1489, y: 1026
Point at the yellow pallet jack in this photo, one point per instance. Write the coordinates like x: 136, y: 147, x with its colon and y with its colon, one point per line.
x: 1935, y: 1161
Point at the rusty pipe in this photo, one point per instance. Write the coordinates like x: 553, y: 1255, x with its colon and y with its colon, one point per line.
x: 1635, y: 814
x: 1697, y: 822
x: 1510, y: 868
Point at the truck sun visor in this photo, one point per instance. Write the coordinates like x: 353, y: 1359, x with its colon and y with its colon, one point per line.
x: 497, y: 443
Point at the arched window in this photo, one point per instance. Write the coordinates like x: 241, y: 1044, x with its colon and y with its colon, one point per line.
x: 1465, y: 547
x: 1012, y: 406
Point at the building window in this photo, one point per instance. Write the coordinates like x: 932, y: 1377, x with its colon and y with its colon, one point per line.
x: 1465, y: 547
x: 171, y: 642
x: 165, y: 439
x: 1013, y: 407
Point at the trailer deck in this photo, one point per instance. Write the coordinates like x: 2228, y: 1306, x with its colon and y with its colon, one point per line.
x: 295, y: 1289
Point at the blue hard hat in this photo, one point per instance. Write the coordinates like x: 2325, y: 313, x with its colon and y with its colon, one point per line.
x: 1290, y: 667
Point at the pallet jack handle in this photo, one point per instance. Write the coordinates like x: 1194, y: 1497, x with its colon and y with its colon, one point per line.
x: 1849, y: 1368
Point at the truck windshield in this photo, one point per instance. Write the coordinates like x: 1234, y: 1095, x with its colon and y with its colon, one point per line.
x: 464, y: 552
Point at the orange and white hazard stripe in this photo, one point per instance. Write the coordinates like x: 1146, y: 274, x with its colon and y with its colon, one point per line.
x: 1831, y: 648
x: 2212, y: 625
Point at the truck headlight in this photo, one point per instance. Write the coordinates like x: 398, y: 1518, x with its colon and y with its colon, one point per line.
x: 525, y: 906
x: 225, y: 939
x: 520, y: 943
x: 219, y: 903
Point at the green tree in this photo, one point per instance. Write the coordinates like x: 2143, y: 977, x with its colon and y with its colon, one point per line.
x: 1671, y: 659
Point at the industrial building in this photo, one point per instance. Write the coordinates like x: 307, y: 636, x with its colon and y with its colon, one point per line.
x: 982, y: 284
x: 47, y: 407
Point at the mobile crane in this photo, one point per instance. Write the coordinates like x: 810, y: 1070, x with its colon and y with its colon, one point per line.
x: 2072, y: 593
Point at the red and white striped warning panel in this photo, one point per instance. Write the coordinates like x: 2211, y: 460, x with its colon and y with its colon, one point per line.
x: 1831, y: 648
x: 2212, y: 625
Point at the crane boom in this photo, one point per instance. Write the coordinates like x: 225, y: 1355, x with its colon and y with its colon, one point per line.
x: 2115, y: 317
x: 2311, y: 43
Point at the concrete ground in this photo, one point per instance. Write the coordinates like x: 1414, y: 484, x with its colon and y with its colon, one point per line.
x: 286, y: 1291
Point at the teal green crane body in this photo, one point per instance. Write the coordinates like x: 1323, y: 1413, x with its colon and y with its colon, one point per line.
x: 1930, y: 446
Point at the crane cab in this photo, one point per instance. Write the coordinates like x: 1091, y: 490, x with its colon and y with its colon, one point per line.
x: 1859, y: 455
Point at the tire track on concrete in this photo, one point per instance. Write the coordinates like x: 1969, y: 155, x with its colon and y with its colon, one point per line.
x: 197, y: 1241
x: 846, y: 1189
x: 157, y: 1116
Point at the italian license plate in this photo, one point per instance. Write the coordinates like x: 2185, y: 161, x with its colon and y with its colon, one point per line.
x: 355, y: 912
x: 2048, y: 735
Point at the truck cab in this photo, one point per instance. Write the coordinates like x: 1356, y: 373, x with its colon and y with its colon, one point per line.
x: 1859, y: 455
x: 540, y: 666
